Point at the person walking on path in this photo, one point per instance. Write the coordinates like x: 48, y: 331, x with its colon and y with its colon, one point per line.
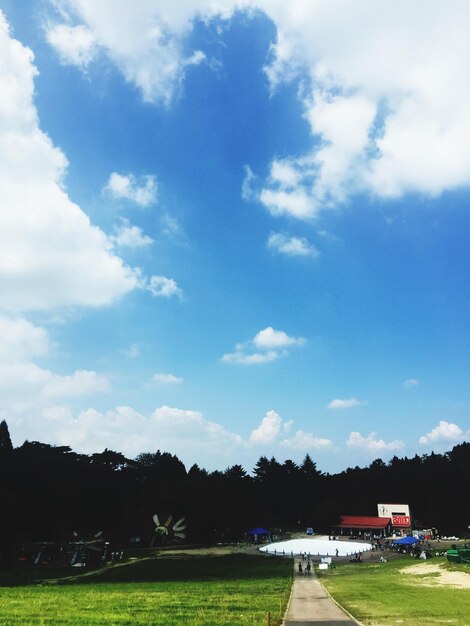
x: 311, y: 605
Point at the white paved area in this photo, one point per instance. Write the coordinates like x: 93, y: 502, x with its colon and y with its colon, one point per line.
x: 316, y: 546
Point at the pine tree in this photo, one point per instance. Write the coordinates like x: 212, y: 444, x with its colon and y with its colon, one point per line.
x: 309, y: 469
x: 5, y: 440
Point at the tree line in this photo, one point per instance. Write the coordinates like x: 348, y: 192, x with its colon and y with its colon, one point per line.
x: 48, y: 490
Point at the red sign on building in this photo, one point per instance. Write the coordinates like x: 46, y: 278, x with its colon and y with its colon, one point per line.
x: 401, y: 520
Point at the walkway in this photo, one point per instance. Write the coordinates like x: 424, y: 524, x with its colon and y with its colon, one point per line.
x: 310, y: 604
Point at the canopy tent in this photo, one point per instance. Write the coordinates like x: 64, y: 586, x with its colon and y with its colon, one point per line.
x: 258, y: 531
x: 406, y: 541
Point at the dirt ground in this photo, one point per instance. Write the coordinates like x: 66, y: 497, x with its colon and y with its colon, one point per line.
x: 427, y: 573
x: 210, y: 551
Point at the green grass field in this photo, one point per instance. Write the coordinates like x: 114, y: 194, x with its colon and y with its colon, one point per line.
x: 379, y: 594
x: 197, y: 591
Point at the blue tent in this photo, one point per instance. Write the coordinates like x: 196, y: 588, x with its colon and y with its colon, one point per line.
x: 258, y: 531
x: 406, y: 541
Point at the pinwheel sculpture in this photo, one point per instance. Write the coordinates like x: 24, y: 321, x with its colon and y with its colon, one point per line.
x: 169, y: 532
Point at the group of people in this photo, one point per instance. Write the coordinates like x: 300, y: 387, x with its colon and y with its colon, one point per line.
x: 308, y: 568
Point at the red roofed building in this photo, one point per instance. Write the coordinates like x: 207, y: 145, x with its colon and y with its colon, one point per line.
x: 399, y: 515
x: 360, y: 525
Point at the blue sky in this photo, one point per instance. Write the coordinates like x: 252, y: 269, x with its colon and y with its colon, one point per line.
x: 235, y: 229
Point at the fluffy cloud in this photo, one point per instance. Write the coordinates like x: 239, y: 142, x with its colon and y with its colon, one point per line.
x: 268, y: 430
x: 128, y: 187
x: 163, y: 287
x: 410, y: 383
x: 145, y: 40
x: 305, y: 441
x: 444, y: 432
x: 167, y: 379
x: 183, y: 432
x: 21, y: 341
x: 385, y: 87
x: 292, y: 246
x: 344, y: 404
x: 131, y: 236
x: 271, y: 427
x: 270, y: 338
x: 254, y: 358
x: 373, y: 445
x: 75, y: 44
x: 389, y: 118
x: 272, y: 343
x: 80, y: 383
x: 292, y: 201
x: 50, y: 254
x: 25, y: 387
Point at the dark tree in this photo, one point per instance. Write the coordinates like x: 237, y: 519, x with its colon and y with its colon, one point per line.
x: 309, y: 469
x: 235, y: 472
x: 5, y: 439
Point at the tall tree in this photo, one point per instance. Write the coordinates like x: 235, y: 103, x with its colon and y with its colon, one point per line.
x: 5, y: 439
x: 309, y: 468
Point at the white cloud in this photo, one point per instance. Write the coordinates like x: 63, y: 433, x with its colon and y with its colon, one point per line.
x: 25, y: 383
x: 390, y: 118
x: 303, y: 186
x: 76, y: 45
x: 182, y: 432
x: 56, y: 413
x: 410, y: 383
x: 145, y: 40
x: 294, y: 202
x: 131, y: 236
x: 287, y: 426
x: 272, y: 426
x: 305, y: 441
x: 292, y: 246
x: 252, y: 358
x: 248, y: 192
x: 344, y: 404
x: 167, y: 379
x: 268, y: 430
x: 444, y: 432
x: 267, y: 346
x: 373, y: 445
x: 50, y: 254
x: 385, y: 86
x: 128, y: 187
x: 271, y: 338
x: 80, y: 383
x: 162, y: 287
x: 25, y: 387
x: 20, y: 340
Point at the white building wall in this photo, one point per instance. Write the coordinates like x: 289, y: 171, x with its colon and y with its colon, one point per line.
x: 398, y: 513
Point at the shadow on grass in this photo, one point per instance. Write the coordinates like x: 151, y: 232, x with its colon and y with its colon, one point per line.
x: 160, y: 569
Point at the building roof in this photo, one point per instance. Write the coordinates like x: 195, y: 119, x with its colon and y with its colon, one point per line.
x: 362, y: 521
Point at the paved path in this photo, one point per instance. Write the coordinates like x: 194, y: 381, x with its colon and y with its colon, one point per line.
x: 310, y: 604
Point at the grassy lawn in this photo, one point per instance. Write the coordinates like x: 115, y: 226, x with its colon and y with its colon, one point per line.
x: 207, y: 591
x: 380, y: 594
